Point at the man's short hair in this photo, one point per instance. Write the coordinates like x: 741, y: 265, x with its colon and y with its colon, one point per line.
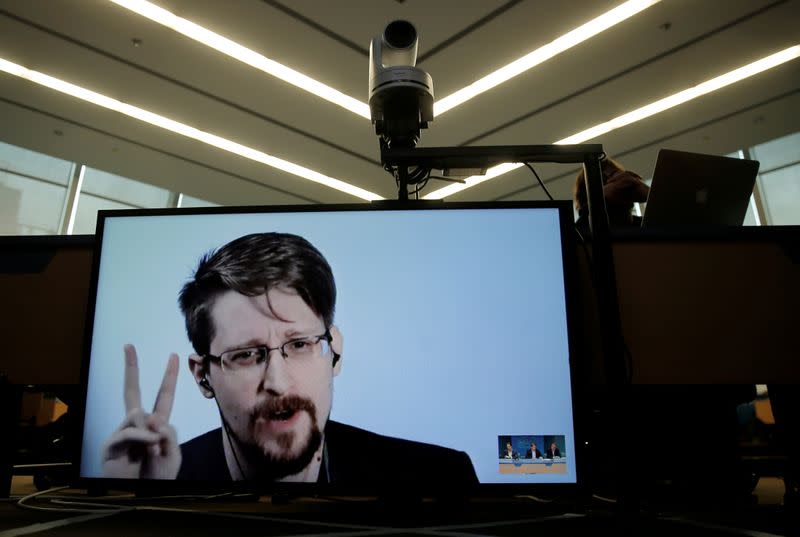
x: 253, y: 265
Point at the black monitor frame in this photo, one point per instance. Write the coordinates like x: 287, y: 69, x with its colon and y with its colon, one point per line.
x: 577, y: 376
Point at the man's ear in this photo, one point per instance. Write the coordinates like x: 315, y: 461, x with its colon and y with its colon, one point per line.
x: 200, y: 375
x: 337, y: 345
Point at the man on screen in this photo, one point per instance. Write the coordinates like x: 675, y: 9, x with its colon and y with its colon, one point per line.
x: 552, y: 452
x: 259, y: 314
x: 533, y: 452
x: 510, y: 453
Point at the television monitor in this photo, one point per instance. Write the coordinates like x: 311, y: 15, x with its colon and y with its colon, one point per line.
x: 348, y: 347
x: 44, y: 274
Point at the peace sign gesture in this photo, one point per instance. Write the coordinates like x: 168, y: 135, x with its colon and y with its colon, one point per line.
x: 145, y: 446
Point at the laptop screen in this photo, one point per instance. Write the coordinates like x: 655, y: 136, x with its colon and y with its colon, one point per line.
x: 692, y: 190
x: 338, y: 345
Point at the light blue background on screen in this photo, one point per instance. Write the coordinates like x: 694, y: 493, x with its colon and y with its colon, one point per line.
x: 452, y: 321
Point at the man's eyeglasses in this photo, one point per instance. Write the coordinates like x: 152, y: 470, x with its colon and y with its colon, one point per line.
x: 295, y: 352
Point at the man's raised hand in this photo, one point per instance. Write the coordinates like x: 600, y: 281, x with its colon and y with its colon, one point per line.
x: 145, y: 446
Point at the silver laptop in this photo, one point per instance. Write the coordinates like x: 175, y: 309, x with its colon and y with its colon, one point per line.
x: 696, y: 190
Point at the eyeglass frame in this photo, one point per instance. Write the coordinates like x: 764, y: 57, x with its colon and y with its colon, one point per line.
x: 265, y: 355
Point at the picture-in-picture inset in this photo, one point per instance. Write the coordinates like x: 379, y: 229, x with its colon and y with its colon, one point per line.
x: 532, y: 454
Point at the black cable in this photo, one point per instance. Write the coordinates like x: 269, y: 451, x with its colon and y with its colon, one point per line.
x: 585, y: 249
x: 422, y: 184
x: 540, y: 180
x: 419, y: 175
x: 233, y: 448
x: 417, y: 190
x: 226, y: 428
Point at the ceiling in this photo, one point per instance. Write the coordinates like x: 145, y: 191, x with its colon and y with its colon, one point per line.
x: 666, y: 48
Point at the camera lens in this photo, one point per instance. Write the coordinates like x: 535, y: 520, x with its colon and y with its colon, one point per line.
x: 400, y: 34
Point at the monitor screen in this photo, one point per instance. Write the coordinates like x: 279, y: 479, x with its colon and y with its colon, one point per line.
x: 351, y: 345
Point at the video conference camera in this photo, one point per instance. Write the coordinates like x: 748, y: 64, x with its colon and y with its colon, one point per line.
x: 400, y: 94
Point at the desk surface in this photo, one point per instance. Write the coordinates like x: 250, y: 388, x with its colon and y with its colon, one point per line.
x: 534, y: 466
x: 557, y: 460
x: 307, y: 516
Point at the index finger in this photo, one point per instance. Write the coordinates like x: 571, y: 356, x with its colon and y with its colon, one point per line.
x: 133, y: 396
x: 166, y: 393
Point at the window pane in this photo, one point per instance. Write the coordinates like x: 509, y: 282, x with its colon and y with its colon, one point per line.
x: 188, y: 202
x: 29, y: 206
x: 781, y: 194
x: 103, y: 190
x: 778, y: 152
x: 26, y: 162
x: 750, y: 215
x: 123, y: 190
x: 86, y: 214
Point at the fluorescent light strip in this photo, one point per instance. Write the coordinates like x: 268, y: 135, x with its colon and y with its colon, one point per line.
x: 686, y: 95
x: 183, y: 129
x: 543, y: 53
x: 639, y: 114
x: 244, y: 54
x: 254, y: 59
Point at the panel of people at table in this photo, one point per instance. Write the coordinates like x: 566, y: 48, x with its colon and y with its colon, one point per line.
x: 532, y: 452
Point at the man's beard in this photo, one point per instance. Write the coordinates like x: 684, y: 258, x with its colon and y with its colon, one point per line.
x: 268, y: 466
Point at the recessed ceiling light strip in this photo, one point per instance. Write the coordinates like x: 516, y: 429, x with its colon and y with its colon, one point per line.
x: 239, y: 52
x: 639, y: 114
x: 183, y: 129
x: 686, y: 95
x: 244, y: 54
x: 543, y: 53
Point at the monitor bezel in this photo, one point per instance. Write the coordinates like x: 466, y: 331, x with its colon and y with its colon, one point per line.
x: 576, y: 366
